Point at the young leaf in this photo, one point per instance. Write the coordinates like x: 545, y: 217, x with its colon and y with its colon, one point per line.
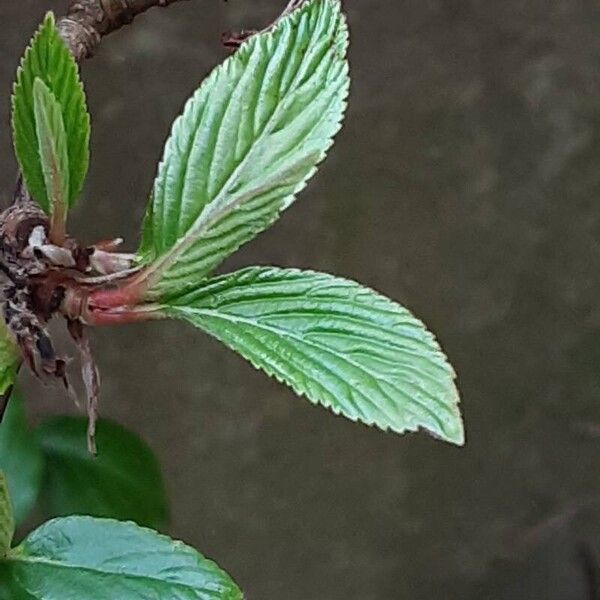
x: 7, y: 521
x: 339, y: 344
x: 246, y: 144
x: 52, y: 141
x: 123, y: 481
x: 21, y: 459
x: 48, y: 59
x: 96, y: 559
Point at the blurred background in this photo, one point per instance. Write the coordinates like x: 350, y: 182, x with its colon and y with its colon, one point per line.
x: 465, y: 185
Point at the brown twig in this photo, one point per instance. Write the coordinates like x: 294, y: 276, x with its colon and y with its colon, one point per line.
x: 88, y: 21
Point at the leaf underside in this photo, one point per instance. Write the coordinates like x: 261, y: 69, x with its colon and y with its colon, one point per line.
x: 48, y: 59
x: 246, y: 144
x: 340, y: 344
x: 93, y: 559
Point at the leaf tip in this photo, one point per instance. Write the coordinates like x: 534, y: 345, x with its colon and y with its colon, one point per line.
x: 456, y: 433
x: 453, y: 428
x: 49, y: 18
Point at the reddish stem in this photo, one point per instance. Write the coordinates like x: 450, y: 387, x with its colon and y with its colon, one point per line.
x: 118, y: 306
x: 99, y: 318
x: 127, y: 295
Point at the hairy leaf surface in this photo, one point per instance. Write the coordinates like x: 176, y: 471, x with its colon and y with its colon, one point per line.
x: 20, y: 459
x: 48, y: 59
x: 122, y: 482
x: 95, y: 559
x: 246, y: 144
x: 338, y: 343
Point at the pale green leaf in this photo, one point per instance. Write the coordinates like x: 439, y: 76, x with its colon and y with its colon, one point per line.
x: 246, y: 144
x: 338, y: 343
x: 48, y: 59
x: 122, y: 482
x: 82, y: 558
x: 20, y: 458
x: 7, y: 521
x: 52, y: 143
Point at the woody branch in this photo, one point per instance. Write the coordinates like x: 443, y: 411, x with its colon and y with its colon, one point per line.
x: 87, y: 21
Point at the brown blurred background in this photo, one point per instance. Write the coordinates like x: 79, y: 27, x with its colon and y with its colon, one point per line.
x: 465, y: 184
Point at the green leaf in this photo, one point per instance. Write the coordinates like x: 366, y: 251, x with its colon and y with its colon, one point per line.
x: 123, y: 481
x: 9, y: 360
x: 48, y: 59
x: 339, y: 344
x: 7, y: 521
x: 52, y: 140
x: 246, y: 144
x: 94, y: 559
x: 20, y: 458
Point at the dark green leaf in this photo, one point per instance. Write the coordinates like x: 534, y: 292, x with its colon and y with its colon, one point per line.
x: 7, y: 521
x: 20, y: 458
x: 338, y: 343
x: 246, y: 144
x: 9, y: 360
x: 48, y: 59
x: 123, y: 481
x: 82, y: 558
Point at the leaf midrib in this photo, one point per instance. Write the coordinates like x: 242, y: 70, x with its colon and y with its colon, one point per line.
x: 49, y: 563
x: 327, y: 350
x: 209, y: 215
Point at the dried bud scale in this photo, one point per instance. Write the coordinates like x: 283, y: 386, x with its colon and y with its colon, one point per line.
x: 42, y: 279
